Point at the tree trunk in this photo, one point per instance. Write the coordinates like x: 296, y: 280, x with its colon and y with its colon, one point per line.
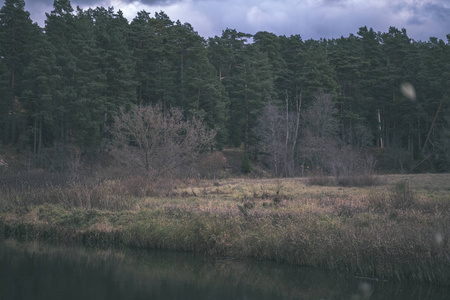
x: 286, y: 153
x: 431, y: 127
x: 246, y: 112
x: 246, y: 120
x: 380, y: 132
x: 12, y: 105
x: 40, y: 137
x: 35, y: 135
x: 297, y: 124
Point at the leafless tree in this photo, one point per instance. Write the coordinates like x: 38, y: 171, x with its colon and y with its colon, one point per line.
x: 271, y: 131
x: 321, y: 147
x: 156, y: 142
x: 320, y: 125
x: 278, y: 135
x: 348, y: 162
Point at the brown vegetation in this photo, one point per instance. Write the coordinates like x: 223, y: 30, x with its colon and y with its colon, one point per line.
x: 156, y: 141
x: 398, y: 229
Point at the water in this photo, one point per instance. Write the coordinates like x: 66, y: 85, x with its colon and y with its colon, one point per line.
x: 37, y: 270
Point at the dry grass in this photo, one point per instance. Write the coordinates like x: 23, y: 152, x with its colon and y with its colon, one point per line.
x: 399, y: 229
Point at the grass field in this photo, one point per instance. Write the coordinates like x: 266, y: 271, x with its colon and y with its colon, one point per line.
x: 397, y: 229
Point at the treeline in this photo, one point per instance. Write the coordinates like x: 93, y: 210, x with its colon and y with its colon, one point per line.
x: 63, y: 84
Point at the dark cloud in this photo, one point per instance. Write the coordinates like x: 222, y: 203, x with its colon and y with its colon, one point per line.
x: 415, y: 20
x: 341, y: 3
x: 83, y: 2
x: 441, y: 11
x: 309, y: 18
x: 156, y: 2
x: 49, y: 3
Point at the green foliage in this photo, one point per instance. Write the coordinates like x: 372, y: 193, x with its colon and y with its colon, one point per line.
x: 16, y: 41
x: 64, y: 84
x: 246, y: 165
x: 443, y: 147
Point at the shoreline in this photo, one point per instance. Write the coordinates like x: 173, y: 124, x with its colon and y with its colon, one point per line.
x: 363, y: 252
x: 366, y: 232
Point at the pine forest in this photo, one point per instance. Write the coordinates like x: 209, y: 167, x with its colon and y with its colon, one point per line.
x: 371, y: 100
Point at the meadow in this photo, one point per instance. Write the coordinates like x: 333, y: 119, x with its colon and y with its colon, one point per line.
x: 397, y: 229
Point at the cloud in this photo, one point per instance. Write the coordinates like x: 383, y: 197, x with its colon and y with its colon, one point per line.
x: 309, y: 18
x: 440, y: 10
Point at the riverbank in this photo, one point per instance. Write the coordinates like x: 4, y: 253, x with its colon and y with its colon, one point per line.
x: 396, y: 230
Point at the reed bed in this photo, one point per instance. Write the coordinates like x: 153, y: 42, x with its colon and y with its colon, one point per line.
x: 395, y: 230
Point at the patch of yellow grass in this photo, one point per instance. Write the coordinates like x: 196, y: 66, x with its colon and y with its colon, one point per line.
x: 370, y: 231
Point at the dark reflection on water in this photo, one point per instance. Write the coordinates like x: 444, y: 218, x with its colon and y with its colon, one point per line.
x: 36, y: 270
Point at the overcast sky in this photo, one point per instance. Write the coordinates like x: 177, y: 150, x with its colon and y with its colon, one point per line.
x: 309, y: 18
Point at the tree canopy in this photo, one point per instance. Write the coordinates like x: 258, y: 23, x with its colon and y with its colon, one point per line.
x: 66, y: 83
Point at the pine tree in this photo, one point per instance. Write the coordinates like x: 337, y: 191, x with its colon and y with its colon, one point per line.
x: 114, y: 61
x: 269, y: 43
x: 373, y: 85
x: 43, y: 78
x: 154, y: 58
x: 346, y: 59
x: 201, y: 93
x: 244, y: 72
x: 61, y: 30
x: 16, y: 32
x: 90, y: 86
x: 317, y: 74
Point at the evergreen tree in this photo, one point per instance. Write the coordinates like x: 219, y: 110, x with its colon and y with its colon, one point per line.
x: 373, y: 85
x: 16, y: 32
x: 60, y: 29
x: 395, y: 46
x: 293, y: 53
x: 201, y: 92
x: 43, y: 78
x: 65, y: 84
x: 346, y: 59
x: 155, y: 69
x: 245, y: 74
x: 115, y: 61
x: 432, y: 91
x: 269, y: 43
x: 317, y: 74
x: 4, y: 99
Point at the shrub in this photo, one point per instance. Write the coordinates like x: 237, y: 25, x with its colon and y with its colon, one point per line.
x: 322, y: 180
x: 358, y: 180
x: 378, y: 201
x: 246, y: 165
x: 213, y: 166
x: 157, y: 142
x: 401, y: 196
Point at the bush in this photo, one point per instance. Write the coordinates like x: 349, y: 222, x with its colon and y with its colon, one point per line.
x: 401, y: 196
x: 156, y: 142
x: 246, y: 165
x: 322, y: 180
x: 358, y: 180
x: 213, y: 166
x: 353, y: 167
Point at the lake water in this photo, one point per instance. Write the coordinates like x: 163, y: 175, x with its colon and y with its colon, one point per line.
x: 38, y: 270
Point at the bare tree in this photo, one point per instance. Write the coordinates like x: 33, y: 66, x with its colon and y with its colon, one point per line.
x: 271, y: 131
x: 319, y: 132
x: 156, y: 142
x: 277, y: 133
x: 350, y: 165
x: 321, y: 147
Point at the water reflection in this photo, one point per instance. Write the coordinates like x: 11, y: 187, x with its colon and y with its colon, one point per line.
x: 36, y: 270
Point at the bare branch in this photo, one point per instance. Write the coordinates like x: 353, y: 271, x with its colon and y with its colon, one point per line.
x: 158, y: 143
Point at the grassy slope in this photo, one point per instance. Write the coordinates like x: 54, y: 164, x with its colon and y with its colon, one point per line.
x: 392, y: 230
